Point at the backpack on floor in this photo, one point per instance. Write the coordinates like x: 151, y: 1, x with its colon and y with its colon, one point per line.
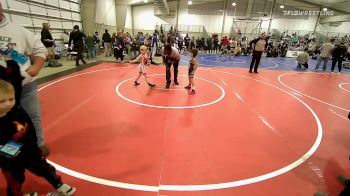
x: 346, y: 65
x: 54, y: 64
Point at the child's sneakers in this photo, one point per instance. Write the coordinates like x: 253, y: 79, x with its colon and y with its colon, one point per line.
x: 151, y: 85
x: 53, y: 194
x: 343, y: 180
x: 188, y: 87
x: 321, y: 194
x: 136, y: 83
x: 192, y: 92
x: 31, y: 194
x: 66, y: 190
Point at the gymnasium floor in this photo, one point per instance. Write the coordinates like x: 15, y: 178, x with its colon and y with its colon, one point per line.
x: 279, y: 132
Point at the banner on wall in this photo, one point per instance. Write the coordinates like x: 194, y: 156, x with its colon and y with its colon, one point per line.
x: 105, y: 12
x: 293, y: 54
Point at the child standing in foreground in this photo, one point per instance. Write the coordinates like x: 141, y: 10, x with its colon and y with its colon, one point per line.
x: 191, y: 70
x: 17, y: 129
x: 143, y: 58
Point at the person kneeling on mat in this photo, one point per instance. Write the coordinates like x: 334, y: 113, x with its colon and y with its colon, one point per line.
x: 303, y: 59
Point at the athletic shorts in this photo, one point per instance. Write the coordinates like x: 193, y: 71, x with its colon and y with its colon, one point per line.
x: 50, y: 51
x: 142, y: 69
x: 191, y: 72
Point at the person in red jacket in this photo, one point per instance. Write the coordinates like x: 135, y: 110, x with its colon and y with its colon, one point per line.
x: 224, y: 43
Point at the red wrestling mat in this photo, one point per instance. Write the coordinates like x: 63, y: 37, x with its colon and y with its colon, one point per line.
x: 241, y: 134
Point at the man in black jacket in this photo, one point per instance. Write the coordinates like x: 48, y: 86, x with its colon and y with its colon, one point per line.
x: 338, y: 56
x: 48, y: 41
x: 107, y: 43
x: 120, y: 45
x: 260, y: 45
x: 77, y: 37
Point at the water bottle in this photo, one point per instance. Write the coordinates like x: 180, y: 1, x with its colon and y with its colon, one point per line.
x: 19, y: 58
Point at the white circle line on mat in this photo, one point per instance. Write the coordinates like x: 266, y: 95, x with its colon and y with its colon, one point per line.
x: 313, y: 98
x: 204, y: 187
x: 273, y: 67
x: 341, y: 86
x: 170, y: 89
x: 216, y: 61
x: 242, y: 61
x: 171, y: 107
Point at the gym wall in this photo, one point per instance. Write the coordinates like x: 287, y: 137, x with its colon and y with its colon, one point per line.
x: 61, y: 14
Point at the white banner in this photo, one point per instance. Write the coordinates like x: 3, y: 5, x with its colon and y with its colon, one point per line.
x: 294, y: 54
x: 105, y: 12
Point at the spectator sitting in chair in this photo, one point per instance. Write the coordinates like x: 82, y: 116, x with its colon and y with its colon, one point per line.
x: 237, y: 51
x: 244, y: 46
